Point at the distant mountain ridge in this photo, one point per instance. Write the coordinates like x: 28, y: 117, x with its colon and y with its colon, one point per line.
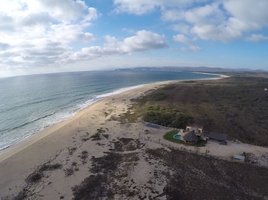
x: 191, y: 69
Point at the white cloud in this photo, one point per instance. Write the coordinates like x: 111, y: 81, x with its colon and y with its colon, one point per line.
x: 190, y: 48
x: 4, y: 46
x: 92, y: 14
x: 42, y: 32
x: 172, y: 15
x: 183, y: 39
x: 256, y: 38
x: 252, y: 14
x: 70, y: 33
x: 223, y: 20
x: 142, y: 41
x: 221, y: 32
x: 110, y: 41
x: 34, y: 53
x: 128, y: 30
x: 140, y: 7
x: 212, y: 22
x: 209, y: 13
x: 181, y: 28
x: 38, y: 33
x: 133, y: 7
x: 194, y: 48
x: 63, y: 10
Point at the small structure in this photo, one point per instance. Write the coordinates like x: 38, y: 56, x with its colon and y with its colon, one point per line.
x: 146, y: 131
x: 190, y: 137
x: 217, y: 136
x: 265, y: 89
x: 194, y: 128
x: 239, y: 157
x: 152, y: 126
x: 222, y: 142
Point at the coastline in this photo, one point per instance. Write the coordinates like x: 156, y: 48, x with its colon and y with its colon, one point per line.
x: 54, y: 142
x: 13, y: 149
x: 221, y: 75
x: 21, y: 159
x: 64, y: 143
x: 13, y: 134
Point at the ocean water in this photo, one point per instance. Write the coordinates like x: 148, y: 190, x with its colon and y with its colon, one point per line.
x: 31, y: 103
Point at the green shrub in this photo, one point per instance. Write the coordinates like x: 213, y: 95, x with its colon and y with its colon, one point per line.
x: 131, y: 147
x: 96, y: 136
x: 169, y: 87
x: 166, y: 117
x: 188, y: 81
x: 35, y: 177
x: 131, y: 193
x: 159, y: 96
x: 123, y: 175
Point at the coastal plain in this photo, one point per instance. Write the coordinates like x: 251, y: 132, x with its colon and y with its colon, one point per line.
x: 103, y: 152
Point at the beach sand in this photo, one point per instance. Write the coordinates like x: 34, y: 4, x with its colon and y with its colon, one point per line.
x: 65, y: 143
x: 56, y: 143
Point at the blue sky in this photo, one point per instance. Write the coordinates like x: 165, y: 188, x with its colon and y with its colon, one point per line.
x: 49, y: 36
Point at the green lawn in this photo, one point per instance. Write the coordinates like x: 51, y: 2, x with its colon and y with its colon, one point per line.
x: 169, y: 136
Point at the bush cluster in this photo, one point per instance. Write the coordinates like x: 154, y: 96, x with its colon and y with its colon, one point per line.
x: 166, y: 117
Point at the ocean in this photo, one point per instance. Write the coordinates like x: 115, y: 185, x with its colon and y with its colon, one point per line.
x: 31, y: 103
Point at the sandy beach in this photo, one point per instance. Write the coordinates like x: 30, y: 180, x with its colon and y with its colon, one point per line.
x: 55, y: 142
x: 66, y: 143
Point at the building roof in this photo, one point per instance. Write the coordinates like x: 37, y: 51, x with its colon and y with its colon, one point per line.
x: 194, y: 126
x: 217, y: 136
x: 190, y: 137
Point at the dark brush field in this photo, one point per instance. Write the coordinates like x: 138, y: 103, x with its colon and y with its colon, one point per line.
x: 201, y: 177
x: 236, y: 106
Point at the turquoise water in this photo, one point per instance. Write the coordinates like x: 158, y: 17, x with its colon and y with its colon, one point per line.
x: 177, y: 136
x: 31, y: 103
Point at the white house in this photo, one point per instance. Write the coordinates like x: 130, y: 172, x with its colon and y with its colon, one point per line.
x: 194, y: 128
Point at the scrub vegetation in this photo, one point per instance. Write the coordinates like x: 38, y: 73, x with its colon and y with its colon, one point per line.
x: 236, y: 106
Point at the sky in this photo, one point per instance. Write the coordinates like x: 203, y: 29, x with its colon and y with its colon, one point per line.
x: 47, y: 36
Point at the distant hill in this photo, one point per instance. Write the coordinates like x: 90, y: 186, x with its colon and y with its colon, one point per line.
x: 192, y: 69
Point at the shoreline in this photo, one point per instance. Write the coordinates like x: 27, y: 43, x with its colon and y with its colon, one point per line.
x: 12, y: 143
x: 58, y: 142
x: 19, y: 146
x: 221, y: 75
x: 97, y: 99
x: 47, y: 130
x: 15, y: 148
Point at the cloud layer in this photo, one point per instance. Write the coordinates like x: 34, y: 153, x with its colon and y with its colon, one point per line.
x: 223, y: 20
x: 52, y: 33
x: 142, y: 41
x: 37, y: 33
